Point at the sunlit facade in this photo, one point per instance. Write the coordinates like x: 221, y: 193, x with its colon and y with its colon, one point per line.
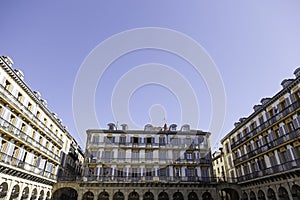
x: 154, y: 163
x: 31, y: 139
x: 265, y: 147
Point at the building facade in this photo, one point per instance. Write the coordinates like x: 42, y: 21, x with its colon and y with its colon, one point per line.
x: 218, y: 165
x: 154, y: 163
x: 31, y: 139
x: 264, y: 148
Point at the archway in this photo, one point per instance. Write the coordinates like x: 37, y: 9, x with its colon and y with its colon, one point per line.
x: 103, y: 196
x: 3, y: 190
x: 193, y: 196
x: 283, y: 194
x: 48, y: 195
x: 25, y: 193
x: 163, y: 196
x: 206, y: 196
x: 133, y: 196
x: 118, y: 196
x: 65, y: 193
x: 88, y: 196
x: 271, y: 194
x: 33, y: 194
x: 178, y: 196
x: 244, y: 196
x: 296, y: 192
x: 15, y: 192
x: 229, y: 194
x: 261, y: 195
x: 252, y: 196
x: 41, y: 196
x: 148, y: 196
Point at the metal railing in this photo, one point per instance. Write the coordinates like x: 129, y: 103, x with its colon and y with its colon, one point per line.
x: 28, y: 113
x: 4, y: 124
x: 4, y: 158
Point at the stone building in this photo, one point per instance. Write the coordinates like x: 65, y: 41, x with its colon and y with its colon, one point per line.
x: 150, y: 164
x: 32, y: 139
x: 263, y: 149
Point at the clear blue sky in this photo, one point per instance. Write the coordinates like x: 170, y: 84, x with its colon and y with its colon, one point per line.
x: 255, y: 45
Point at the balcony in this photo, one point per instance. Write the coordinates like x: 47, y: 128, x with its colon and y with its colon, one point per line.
x: 272, y: 144
x: 275, y: 118
x: 274, y: 170
x: 7, y: 126
x: 4, y: 158
x: 17, y: 104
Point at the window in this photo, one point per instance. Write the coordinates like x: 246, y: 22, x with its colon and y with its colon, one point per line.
x: 29, y: 106
x: 174, y: 141
x: 148, y: 155
x: 20, y: 97
x: 134, y: 173
x: 162, y: 140
x: 176, y: 155
x: 95, y: 139
x: 261, y: 120
x: 38, y: 114
x: 189, y: 156
x: 149, y: 140
x: 190, y: 172
x: 110, y: 140
x: 107, y: 156
x: 162, y: 155
x: 122, y: 140
x: 135, y: 155
x: 148, y: 173
x: 121, y: 155
x: 135, y: 140
x: 7, y: 85
x: 119, y: 172
x: 176, y: 172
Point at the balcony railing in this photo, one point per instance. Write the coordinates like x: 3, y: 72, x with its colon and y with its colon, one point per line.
x: 143, y: 178
x: 28, y: 113
x: 272, y: 144
x: 154, y: 160
x: 4, y: 124
x: 274, y: 170
x: 284, y: 112
x: 4, y: 158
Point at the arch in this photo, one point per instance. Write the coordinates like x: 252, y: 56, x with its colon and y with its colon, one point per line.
x: 48, y: 195
x: 193, y: 196
x: 15, y: 192
x: 206, y: 196
x: 103, y: 196
x: 244, y: 196
x: 41, y: 195
x: 3, y: 190
x: 148, y: 196
x: 252, y: 196
x: 25, y: 193
x: 261, y: 195
x: 133, y: 195
x: 163, y: 196
x: 118, y: 196
x: 88, y: 196
x: 296, y: 192
x: 33, y: 194
x: 283, y: 193
x: 271, y: 194
x: 178, y: 196
x: 65, y: 193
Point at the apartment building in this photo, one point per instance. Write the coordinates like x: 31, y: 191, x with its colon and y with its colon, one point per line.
x: 154, y: 163
x: 263, y: 149
x: 31, y: 138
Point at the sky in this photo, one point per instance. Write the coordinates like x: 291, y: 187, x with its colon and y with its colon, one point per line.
x: 254, y: 45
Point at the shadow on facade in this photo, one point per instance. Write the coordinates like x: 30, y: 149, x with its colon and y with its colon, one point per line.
x: 64, y: 194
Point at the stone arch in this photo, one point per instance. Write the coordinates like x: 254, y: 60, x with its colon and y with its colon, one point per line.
x: 65, y: 193
x: 41, y: 195
x: 252, y: 196
x: 261, y: 195
x: 103, y: 196
x: 15, y: 192
x: 206, y: 196
x: 178, y: 196
x: 48, y: 195
x: 88, y: 196
x: 271, y: 194
x: 133, y: 195
x: 163, y: 196
x: 34, y: 194
x: 193, y: 196
x: 296, y: 192
x: 3, y: 189
x: 25, y: 193
x: 283, y: 193
x: 148, y: 196
x: 245, y: 196
x: 118, y: 196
